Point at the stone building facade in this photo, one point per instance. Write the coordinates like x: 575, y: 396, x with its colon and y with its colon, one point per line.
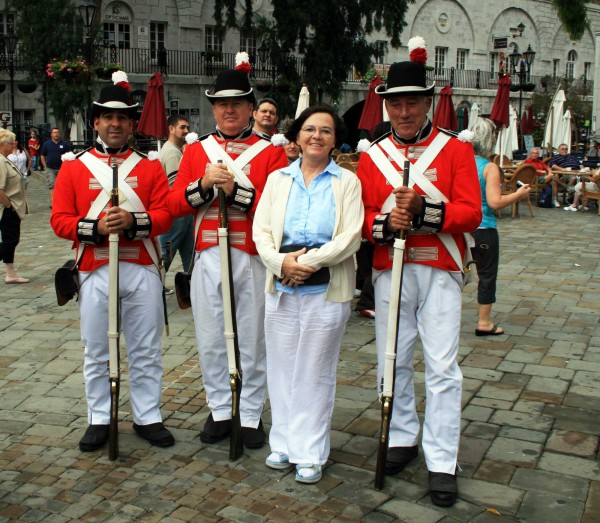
x: 467, y: 35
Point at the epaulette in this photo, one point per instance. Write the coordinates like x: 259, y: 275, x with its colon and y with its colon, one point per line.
x: 205, y: 136
x: 448, y: 131
x: 143, y: 155
x: 382, y: 137
x: 264, y: 136
x: 83, y: 152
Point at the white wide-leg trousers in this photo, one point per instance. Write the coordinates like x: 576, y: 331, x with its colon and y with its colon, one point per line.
x: 431, y: 309
x: 303, y: 335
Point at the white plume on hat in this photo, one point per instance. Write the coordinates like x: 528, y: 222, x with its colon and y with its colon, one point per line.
x: 241, y: 57
x: 416, y: 42
x: 119, y: 76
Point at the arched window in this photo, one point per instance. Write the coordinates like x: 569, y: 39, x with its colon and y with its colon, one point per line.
x: 571, y: 59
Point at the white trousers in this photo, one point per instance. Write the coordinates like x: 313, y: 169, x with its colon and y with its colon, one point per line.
x: 431, y: 309
x: 303, y: 335
x: 207, y: 306
x: 142, y: 322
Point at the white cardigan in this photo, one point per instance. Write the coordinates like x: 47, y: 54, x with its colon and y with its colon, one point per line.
x: 267, y: 233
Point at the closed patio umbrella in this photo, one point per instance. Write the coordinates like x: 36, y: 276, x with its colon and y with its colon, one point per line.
x: 153, y: 122
x: 500, y: 111
x: 372, y: 112
x: 554, y: 133
x: 77, y: 127
x: 303, y: 100
x: 508, y: 137
x: 473, y: 115
x: 445, y: 114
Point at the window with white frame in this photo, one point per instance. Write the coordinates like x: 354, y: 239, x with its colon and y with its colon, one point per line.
x: 587, y: 71
x: 117, y: 34
x: 441, y: 54
x: 493, y: 63
x: 157, y: 37
x: 248, y: 43
x: 571, y: 59
x: 7, y: 24
x: 381, y: 46
x: 461, y: 58
x: 212, y: 42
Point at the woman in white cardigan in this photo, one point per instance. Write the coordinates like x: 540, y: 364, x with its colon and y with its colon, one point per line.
x: 306, y: 228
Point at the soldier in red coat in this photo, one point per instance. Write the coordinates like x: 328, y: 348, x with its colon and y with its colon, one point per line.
x: 441, y: 203
x: 238, y: 161
x: 81, y: 212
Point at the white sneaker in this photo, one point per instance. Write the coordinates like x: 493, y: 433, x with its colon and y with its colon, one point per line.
x: 585, y: 208
x: 556, y: 204
x: 570, y: 208
x: 308, y: 473
x: 278, y: 461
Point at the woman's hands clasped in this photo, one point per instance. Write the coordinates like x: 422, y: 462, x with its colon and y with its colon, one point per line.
x: 295, y: 273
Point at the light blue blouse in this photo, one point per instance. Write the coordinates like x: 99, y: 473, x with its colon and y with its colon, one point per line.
x: 309, y: 215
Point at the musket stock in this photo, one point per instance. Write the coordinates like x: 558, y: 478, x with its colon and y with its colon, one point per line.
x: 389, y: 372
x: 236, y: 446
x: 114, y: 328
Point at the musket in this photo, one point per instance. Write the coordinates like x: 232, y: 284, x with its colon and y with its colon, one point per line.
x: 236, y: 445
x: 389, y: 368
x: 114, y: 327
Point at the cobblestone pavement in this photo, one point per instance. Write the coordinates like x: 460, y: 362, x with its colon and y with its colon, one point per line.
x: 530, y: 420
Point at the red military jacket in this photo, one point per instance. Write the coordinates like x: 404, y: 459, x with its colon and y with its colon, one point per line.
x: 454, y: 173
x: 75, y: 191
x: 192, y: 168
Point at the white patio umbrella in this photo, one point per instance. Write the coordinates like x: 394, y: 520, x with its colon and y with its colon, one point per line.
x: 303, y: 100
x: 565, y: 136
x: 555, y: 132
x: 508, y: 138
x: 77, y: 133
x: 473, y: 115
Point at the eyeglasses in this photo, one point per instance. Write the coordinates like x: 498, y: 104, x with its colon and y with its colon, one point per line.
x: 324, y: 131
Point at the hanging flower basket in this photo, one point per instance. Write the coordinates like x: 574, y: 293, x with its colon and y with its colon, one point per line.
x: 263, y: 85
x: 68, y: 70
x: 105, y: 72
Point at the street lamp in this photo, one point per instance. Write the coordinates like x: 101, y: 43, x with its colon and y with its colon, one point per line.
x: 10, y: 43
x: 523, y: 62
x: 264, y: 55
x: 87, y: 10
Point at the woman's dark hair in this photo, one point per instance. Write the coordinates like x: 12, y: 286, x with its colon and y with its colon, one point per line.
x: 340, y: 127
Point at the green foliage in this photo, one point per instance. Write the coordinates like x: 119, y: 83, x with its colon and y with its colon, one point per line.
x: 46, y: 30
x: 573, y: 15
x: 330, y: 35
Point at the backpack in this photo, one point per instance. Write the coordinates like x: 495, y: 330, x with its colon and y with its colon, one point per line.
x: 545, y: 197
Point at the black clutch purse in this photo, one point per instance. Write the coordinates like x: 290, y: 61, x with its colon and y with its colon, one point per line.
x: 319, y: 277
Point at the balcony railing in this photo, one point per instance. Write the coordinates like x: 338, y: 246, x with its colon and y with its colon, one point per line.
x: 478, y: 79
x: 204, y: 63
x: 186, y: 63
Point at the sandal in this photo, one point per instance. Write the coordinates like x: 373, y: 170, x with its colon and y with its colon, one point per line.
x: 492, y: 332
x: 278, y: 461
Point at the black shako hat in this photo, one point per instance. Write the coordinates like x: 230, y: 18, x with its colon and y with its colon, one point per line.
x: 408, y: 77
x: 115, y: 97
x: 231, y: 83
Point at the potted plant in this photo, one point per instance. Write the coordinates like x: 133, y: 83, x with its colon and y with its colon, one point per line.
x: 67, y: 70
x: 104, y: 72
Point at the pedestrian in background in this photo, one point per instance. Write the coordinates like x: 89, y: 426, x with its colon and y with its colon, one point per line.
x: 14, y: 207
x: 51, y: 157
x: 34, y: 150
x: 486, y: 252
x: 20, y: 157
